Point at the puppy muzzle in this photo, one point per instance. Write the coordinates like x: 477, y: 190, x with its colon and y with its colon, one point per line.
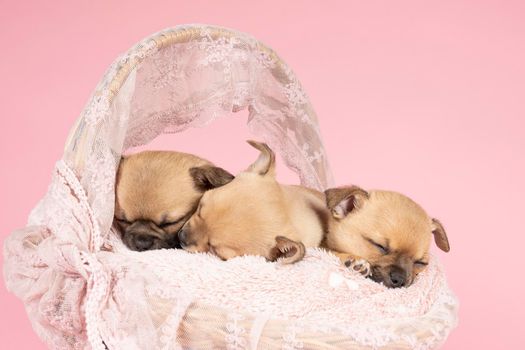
x: 397, y: 277
x: 391, y: 276
x: 144, y: 235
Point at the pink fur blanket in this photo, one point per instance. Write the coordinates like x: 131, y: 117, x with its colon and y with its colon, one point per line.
x: 127, y: 299
x: 317, y: 294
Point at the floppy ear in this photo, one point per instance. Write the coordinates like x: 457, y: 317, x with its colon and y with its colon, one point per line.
x: 343, y: 200
x: 265, y: 164
x: 286, y: 250
x: 440, y: 236
x: 208, y: 177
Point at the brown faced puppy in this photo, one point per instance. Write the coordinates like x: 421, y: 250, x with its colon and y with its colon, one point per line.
x: 385, y: 233
x: 255, y: 215
x: 156, y: 193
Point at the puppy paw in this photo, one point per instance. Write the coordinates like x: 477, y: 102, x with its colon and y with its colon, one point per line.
x: 359, y: 265
x: 286, y: 250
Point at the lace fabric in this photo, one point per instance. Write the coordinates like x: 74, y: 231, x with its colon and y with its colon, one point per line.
x: 83, y: 289
x: 213, y: 72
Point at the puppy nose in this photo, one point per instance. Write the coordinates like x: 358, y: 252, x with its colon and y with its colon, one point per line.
x: 397, y: 278
x: 143, y: 242
x: 182, y: 236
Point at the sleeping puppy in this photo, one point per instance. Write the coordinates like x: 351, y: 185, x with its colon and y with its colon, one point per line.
x: 384, y: 235
x: 255, y: 215
x: 156, y: 192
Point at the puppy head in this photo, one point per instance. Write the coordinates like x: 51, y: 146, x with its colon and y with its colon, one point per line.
x: 156, y: 193
x: 386, y: 228
x: 245, y: 217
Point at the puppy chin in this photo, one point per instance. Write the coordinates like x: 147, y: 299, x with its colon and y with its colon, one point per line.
x: 379, y: 278
x: 193, y: 248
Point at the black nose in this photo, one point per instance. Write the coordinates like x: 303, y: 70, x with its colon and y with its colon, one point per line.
x: 397, y: 278
x: 182, y: 236
x: 143, y: 242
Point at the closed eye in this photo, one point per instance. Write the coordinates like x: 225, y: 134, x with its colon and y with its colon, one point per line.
x: 169, y: 223
x: 421, y: 263
x: 384, y: 250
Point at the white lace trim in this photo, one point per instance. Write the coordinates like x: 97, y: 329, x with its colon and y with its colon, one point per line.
x: 97, y: 279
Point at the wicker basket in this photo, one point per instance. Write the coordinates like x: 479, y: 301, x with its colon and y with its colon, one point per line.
x: 76, y: 279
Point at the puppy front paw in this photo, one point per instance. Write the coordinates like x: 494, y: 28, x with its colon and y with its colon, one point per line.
x: 359, y: 265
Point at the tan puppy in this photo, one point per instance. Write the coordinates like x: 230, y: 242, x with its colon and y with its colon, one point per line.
x: 384, y: 235
x: 156, y: 192
x: 255, y: 215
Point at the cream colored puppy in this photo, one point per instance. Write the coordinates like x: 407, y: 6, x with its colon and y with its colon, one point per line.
x: 382, y: 234
x: 157, y: 191
x: 255, y: 215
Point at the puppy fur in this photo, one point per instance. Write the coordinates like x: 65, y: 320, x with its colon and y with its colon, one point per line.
x: 156, y: 193
x: 385, y: 234
x: 255, y: 215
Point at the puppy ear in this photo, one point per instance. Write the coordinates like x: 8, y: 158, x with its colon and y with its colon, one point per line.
x: 265, y: 164
x: 286, y: 250
x: 343, y: 200
x: 208, y: 177
x: 440, y: 236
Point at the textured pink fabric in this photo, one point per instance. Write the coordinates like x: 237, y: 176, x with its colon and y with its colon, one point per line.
x: 82, y: 288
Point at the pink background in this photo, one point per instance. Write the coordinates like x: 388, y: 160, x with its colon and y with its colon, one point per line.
x: 426, y: 98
